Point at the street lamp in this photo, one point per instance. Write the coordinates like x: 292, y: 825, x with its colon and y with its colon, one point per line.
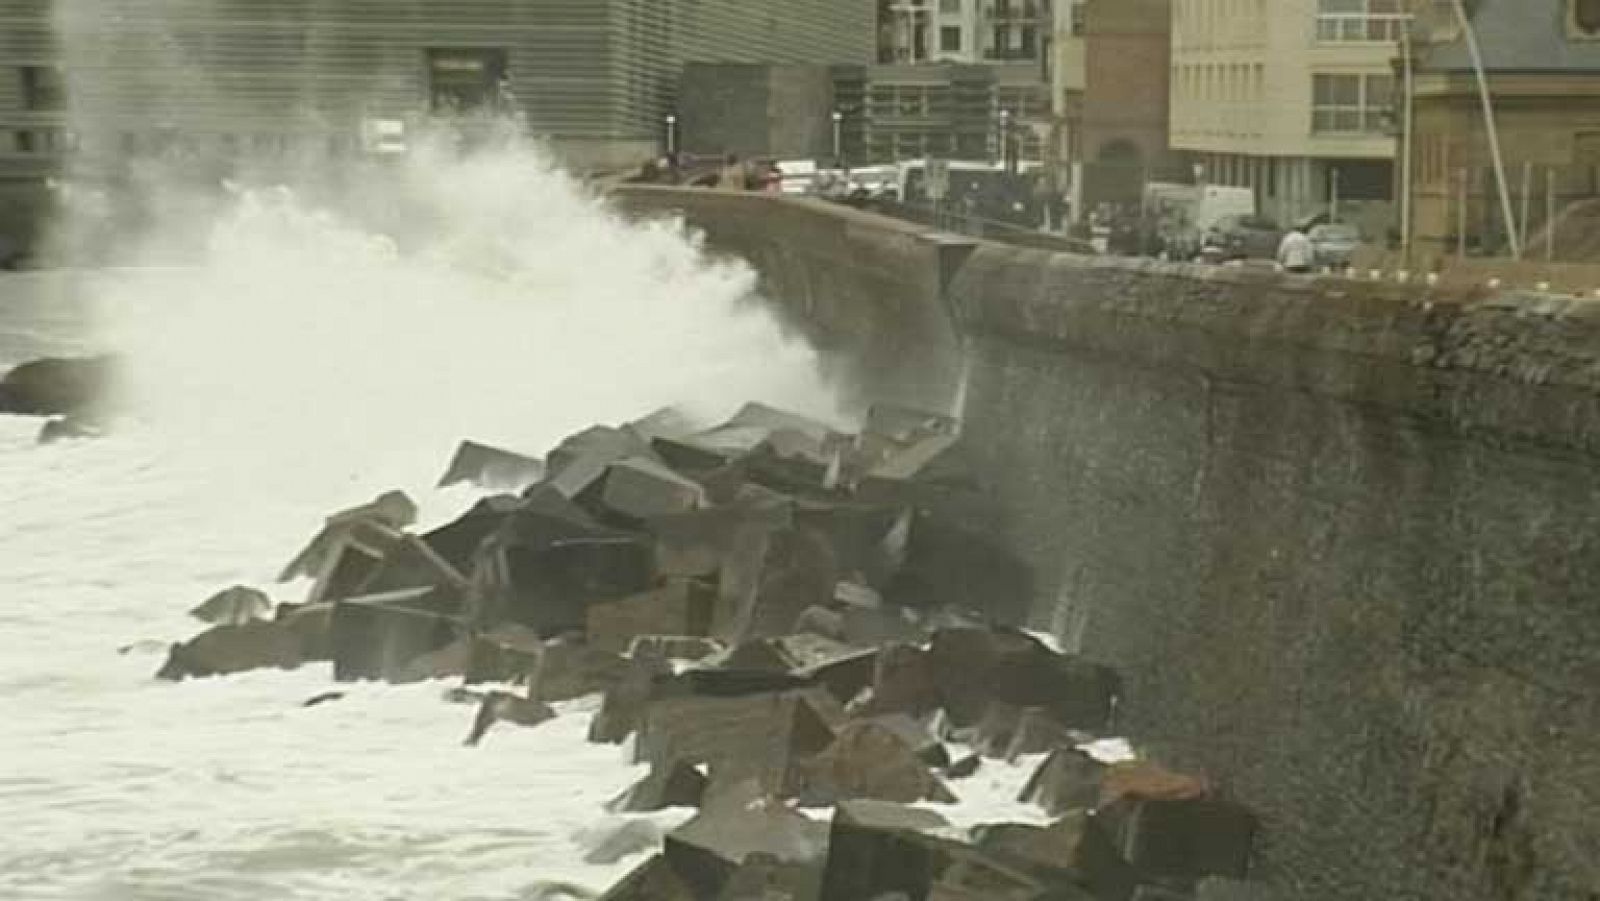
x: 672, y: 134
x: 838, y: 138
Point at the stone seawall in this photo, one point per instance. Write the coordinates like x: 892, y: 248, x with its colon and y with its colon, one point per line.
x: 1341, y: 538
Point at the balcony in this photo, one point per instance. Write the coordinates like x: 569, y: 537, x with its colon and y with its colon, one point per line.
x: 1023, y: 13
x: 1362, y: 28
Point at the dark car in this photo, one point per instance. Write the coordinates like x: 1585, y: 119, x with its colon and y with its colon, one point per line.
x: 1242, y: 237
x: 1334, y: 244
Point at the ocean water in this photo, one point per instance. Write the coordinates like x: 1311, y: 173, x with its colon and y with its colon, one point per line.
x: 302, y: 363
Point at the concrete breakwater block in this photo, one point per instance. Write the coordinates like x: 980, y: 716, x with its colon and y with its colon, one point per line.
x: 491, y: 468
x: 377, y: 636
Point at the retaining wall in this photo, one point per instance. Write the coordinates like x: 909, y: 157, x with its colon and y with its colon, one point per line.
x: 1343, y: 539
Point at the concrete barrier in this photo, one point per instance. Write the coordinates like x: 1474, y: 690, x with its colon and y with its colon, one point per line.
x: 1340, y: 537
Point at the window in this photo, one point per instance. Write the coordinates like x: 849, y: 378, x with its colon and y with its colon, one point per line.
x: 465, y: 80
x: 1361, y: 20
x: 1351, y: 104
x: 43, y: 88
x: 46, y: 140
x: 950, y: 40
x: 950, y: 7
x: 1586, y: 17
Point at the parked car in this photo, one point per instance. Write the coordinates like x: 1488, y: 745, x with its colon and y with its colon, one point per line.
x: 1246, y: 237
x: 1334, y: 244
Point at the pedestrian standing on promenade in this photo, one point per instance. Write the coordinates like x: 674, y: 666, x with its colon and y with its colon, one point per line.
x: 1295, y: 252
x: 734, y: 177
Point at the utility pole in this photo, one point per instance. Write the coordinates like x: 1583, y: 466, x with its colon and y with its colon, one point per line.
x: 1476, y: 52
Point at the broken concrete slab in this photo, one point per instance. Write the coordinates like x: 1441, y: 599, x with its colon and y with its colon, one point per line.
x: 1038, y: 732
x: 457, y: 542
x: 639, y: 488
x: 977, y: 667
x: 1186, y: 839
x: 507, y: 653
x: 877, y: 849
x: 697, y: 543
x: 580, y: 461
x: 549, y: 562
x: 770, y: 579
x: 388, y: 513
x: 733, y: 827
x: 374, y: 637
x: 1066, y: 780
x: 1074, y: 849
x: 573, y: 669
x: 870, y: 759
x: 614, y: 841
x: 902, y: 424
x: 226, y: 649
x: 491, y: 468
x: 623, y: 708
x: 684, y: 606
x: 653, y: 880
x: 503, y: 706
x: 234, y: 606
x: 764, y: 737
x: 668, y: 785
x: 1148, y: 780
x: 410, y: 562
x: 904, y: 681
x: 447, y: 662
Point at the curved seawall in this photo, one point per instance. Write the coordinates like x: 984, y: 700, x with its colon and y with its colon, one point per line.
x: 1340, y: 537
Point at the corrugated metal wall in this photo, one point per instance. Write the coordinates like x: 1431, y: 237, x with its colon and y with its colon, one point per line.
x: 589, y: 69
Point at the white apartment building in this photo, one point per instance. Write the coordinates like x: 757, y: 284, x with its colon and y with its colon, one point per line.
x: 1294, y: 98
x: 967, y: 31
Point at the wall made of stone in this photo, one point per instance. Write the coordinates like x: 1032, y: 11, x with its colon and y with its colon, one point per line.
x: 1343, y: 541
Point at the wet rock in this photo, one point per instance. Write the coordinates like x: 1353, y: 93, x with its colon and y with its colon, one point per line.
x: 653, y: 880
x: 671, y: 785
x: 1183, y: 840
x: 57, y: 386
x: 639, y: 488
x: 326, y: 697
x: 491, y: 468
x: 1073, y: 850
x: 226, y: 649
x: 612, y: 842
x: 313, y: 624
x: 1067, y: 780
x: 376, y: 636
x: 550, y: 560
x: 684, y: 606
x: 977, y: 667
x: 821, y: 621
x: 147, y: 646
x: 732, y: 828
x: 765, y: 877
x: 234, y: 606
x: 871, y: 759
x: 69, y: 428
x: 503, y: 706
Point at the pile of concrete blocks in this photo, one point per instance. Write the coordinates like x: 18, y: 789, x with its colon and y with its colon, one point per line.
x: 804, y: 634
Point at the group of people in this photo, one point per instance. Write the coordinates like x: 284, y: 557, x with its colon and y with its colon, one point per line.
x: 731, y: 173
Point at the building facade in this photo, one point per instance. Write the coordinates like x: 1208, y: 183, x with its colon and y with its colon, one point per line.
x: 1293, y: 98
x: 596, y: 77
x: 1124, y: 120
x: 966, y: 31
x: 1542, y: 58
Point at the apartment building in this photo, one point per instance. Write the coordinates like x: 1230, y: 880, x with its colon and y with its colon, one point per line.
x: 596, y: 77
x: 1294, y: 98
x: 1542, y: 58
x: 966, y: 31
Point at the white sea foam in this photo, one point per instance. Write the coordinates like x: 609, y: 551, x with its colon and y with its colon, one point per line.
x: 303, y: 362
